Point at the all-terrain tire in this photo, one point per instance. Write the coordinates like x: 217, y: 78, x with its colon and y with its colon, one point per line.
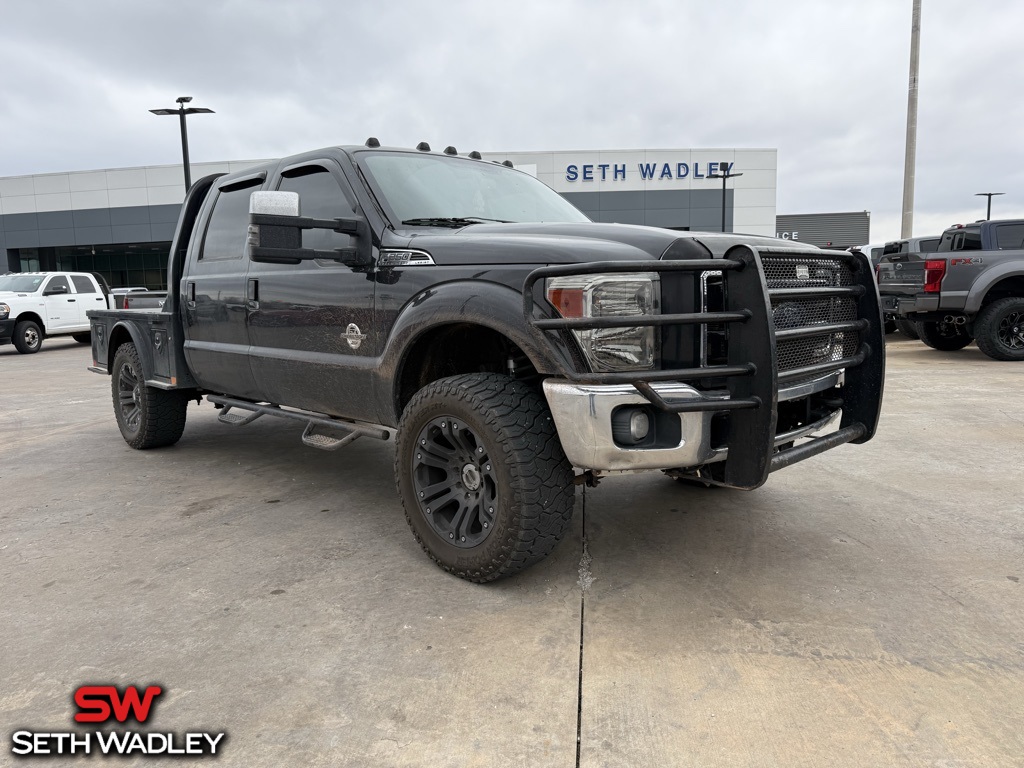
x: 945, y: 337
x: 82, y: 338
x: 907, y: 327
x: 999, y: 329
x: 486, y: 487
x: 28, y: 337
x: 147, y: 417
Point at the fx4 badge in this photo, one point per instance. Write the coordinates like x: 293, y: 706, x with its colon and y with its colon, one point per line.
x: 958, y: 262
x: 353, y: 336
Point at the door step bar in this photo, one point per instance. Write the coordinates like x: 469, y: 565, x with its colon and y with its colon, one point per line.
x: 321, y: 431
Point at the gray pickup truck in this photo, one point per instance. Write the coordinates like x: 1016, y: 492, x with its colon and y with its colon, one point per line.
x: 971, y: 288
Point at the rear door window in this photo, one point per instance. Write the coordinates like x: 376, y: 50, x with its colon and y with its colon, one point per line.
x: 83, y: 284
x: 1010, y: 236
x: 229, y: 223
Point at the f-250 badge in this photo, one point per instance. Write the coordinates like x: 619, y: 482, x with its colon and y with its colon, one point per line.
x: 353, y: 336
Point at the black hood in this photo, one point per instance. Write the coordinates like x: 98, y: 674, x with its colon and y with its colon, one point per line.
x: 539, y: 243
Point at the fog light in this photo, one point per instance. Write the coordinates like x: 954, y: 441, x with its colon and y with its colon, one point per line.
x: 631, y: 426
x: 639, y: 425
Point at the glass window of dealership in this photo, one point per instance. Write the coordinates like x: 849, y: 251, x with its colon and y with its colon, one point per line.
x: 119, y: 222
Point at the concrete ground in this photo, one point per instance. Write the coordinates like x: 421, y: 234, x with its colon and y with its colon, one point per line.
x: 864, y: 608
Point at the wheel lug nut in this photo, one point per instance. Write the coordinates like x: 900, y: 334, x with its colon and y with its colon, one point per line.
x: 491, y: 510
x: 463, y: 538
x: 451, y: 535
x: 421, y: 494
x: 423, y: 442
x: 480, y: 449
x: 485, y: 525
x: 488, y: 467
x: 428, y: 510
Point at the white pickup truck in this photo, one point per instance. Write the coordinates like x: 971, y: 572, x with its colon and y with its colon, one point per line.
x: 34, y: 305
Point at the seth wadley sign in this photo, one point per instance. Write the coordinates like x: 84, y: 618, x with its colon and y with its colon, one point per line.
x: 645, y: 171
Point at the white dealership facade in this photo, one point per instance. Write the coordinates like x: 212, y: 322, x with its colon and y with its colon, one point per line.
x: 120, y: 221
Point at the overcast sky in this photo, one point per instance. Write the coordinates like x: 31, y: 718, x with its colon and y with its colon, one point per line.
x: 824, y: 82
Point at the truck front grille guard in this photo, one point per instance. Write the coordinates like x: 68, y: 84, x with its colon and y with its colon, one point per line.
x: 750, y: 373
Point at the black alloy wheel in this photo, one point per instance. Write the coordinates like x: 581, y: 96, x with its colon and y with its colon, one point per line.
x: 147, y: 417
x: 486, y: 487
x: 999, y: 329
x: 456, y: 484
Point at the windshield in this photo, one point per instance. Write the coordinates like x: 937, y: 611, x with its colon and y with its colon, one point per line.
x: 423, y: 189
x: 21, y: 283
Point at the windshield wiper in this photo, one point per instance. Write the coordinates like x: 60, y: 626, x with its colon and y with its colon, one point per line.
x: 451, y: 221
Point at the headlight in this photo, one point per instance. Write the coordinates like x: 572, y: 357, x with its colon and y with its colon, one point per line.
x: 611, y: 349
x: 5, y: 311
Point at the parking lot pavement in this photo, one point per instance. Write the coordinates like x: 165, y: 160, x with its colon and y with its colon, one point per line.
x: 865, y: 607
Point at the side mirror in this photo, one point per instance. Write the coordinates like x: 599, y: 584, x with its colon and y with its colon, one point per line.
x: 56, y: 290
x: 275, y: 232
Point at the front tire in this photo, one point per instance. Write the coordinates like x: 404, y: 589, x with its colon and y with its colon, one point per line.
x: 943, y: 336
x: 999, y: 329
x: 907, y: 327
x: 28, y: 337
x: 486, y: 487
x: 82, y: 338
x: 147, y: 417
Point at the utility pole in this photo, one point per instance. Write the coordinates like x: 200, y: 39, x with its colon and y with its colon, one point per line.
x: 911, y: 158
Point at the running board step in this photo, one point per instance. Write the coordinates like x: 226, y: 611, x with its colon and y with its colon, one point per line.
x: 315, y: 439
x: 335, y: 434
x: 236, y: 419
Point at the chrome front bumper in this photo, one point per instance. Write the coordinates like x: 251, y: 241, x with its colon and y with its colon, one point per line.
x: 583, y: 417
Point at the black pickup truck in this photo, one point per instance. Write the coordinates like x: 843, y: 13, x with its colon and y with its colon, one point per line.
x: 970, y: 289
x: 507, y: 339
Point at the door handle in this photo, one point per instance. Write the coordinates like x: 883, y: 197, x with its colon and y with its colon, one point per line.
x: 190, y: 295
x: 252, y: 294
x: 70, y: 301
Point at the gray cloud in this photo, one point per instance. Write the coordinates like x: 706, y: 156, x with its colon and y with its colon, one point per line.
x: 825, y: 83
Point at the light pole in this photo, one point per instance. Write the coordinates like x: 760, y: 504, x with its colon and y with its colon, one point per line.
x: 181, y: 111
x: 989, y: 195
x: 724, y: 176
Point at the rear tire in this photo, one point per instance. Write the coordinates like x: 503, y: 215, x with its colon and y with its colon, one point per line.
x: 999, y: 329
x: 907, y: 327
x: 943, y: 336
x: 28, y: 337
x: 82, y: 338
x: 147, y: 417
x: 486, y: 487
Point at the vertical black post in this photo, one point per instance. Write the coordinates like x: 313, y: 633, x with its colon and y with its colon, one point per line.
x: 725, y: 177
x: 988, y: 209
x: 184, y: 149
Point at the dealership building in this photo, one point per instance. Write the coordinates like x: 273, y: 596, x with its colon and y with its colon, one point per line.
x: 120, y: 221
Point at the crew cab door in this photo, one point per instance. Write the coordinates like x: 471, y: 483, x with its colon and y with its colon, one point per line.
x: 213, y: 302
x: 311, y: 324
x: 89, y: 297
x: 61, y: 305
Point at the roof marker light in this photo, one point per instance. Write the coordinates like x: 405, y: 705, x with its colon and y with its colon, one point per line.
x: 423, y: 146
